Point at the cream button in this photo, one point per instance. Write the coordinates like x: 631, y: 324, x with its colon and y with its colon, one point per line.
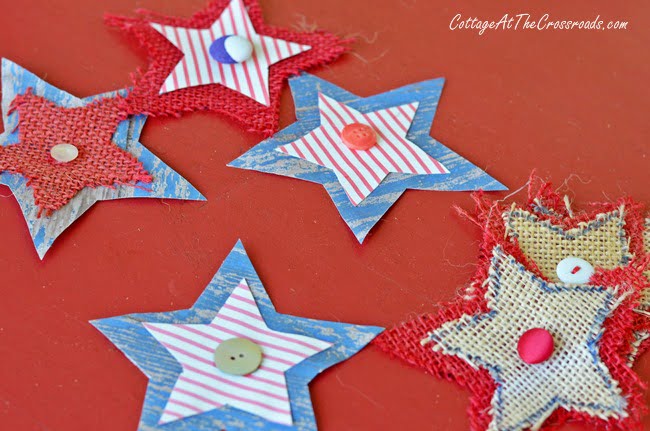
x: 238, y: 356
x: 573, y: 270
x: 64, y: 153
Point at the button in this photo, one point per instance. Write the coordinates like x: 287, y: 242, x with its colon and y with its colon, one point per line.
x: 574, y: 270
x: 535, y: 346
x: 64, y: 153
x: 231, y: 49
x: 357, y: 136
x: 238, y: 356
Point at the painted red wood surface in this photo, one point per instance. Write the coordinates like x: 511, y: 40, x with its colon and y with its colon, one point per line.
x: 573, y: 104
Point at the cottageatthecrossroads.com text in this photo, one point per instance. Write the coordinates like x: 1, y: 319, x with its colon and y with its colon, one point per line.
x: 525, y: 21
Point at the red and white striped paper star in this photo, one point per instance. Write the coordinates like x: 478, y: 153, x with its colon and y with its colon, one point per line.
x: 201, y: 386
x: 361, y: 171
x: 197, y: 67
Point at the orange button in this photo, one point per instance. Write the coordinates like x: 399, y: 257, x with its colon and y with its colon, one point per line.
x: 357, y: 136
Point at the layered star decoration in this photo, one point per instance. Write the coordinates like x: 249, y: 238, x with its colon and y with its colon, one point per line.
x: 110, y: 162
x: 190, y: 389
x: 44, y: 133
x: 576, y: 369
x: 185, y: 74
x: 365, y: 183
x: 547, y: 230
x: 197, y: 67
x: 608, y: 236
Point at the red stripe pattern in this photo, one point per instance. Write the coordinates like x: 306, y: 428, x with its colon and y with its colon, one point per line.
x: 197, y: 67
x: 202, y: 387
x: 361, y: 172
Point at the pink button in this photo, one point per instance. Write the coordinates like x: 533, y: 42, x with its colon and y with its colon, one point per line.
x: 535, y: 346
x: 357, y: 136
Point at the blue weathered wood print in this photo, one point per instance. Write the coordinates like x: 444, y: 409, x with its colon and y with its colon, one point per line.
x: 306, y: 88
x: 45, y: 229
x: 130, y: 335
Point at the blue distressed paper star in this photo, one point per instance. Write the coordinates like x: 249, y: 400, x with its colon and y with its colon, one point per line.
x: 45, y: 229
x: 173, y: 348
x: 406, y: 156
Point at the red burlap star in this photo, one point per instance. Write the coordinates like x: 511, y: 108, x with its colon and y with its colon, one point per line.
x: 164, y: 57
x: 42, y: 124
x: 616, y: 347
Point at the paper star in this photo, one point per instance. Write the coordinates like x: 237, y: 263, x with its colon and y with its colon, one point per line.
x: 202, y: 387
x: 474, y: 341
x: 361, y: 172
x: 197, y: 67
x: 186, y: 391
x: 45, y: 229
x: 182, y: 76
x: 311, y: 93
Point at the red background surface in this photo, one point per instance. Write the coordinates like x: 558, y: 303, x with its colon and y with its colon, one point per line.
x: 573, y: 104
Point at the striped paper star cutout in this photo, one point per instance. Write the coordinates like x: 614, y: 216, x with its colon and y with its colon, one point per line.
x: 365, y: 184
x: 202, y: 386
x: 361, y: 171
x: 197, y: 67
x: 188, y: 391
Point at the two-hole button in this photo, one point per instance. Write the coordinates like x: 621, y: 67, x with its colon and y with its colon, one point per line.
x: 238, y: 356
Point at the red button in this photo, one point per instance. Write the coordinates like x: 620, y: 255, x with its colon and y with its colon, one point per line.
x: 357, y: 136
x: 535, y: 346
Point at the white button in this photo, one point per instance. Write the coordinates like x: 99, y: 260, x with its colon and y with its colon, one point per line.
x: 573, y: 270
x: 239, y: 48
x: 64, y: 153
x: 231, y: 49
